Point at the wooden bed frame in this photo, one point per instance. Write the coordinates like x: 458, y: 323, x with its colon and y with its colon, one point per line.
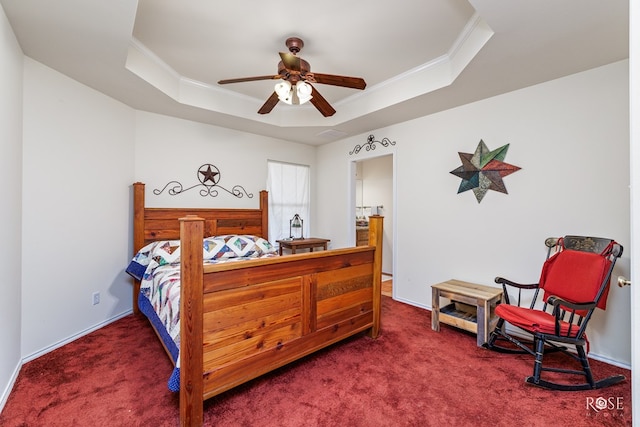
x: 241, y: 320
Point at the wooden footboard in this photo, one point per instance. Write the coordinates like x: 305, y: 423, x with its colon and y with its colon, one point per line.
x: 240, y: 320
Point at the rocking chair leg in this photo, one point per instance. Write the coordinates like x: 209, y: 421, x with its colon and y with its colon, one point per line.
x: 494, y: 335
x: 537, y: 366
x: 582, y: 356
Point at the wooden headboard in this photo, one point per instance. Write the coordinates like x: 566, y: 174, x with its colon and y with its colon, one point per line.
x: 150, y: 224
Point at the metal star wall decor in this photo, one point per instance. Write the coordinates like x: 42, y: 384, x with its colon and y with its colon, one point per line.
x: 209, y: 177
x: 483, y: 170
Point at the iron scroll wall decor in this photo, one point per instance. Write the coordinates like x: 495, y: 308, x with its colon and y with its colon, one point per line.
x: 209, y: 176
x: 371, y: 144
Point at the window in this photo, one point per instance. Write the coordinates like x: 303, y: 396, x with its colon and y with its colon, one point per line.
x: 288, y: 186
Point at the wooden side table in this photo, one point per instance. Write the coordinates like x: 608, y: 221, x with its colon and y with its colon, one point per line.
x: 471, y: 309
x: 294, y: 244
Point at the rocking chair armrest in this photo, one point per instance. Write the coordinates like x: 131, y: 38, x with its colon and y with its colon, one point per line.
x: 503, y: 281
x: 561, y: 306
x: 573, y: 306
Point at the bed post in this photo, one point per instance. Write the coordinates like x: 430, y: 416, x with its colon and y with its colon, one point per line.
x: 191, y: 322
x: 264, y: 205
x: 375, y: 239
x: 138, y: 233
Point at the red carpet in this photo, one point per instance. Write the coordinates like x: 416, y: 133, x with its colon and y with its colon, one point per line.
x: 409, y: 376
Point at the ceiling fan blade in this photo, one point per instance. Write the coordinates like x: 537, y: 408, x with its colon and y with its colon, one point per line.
x: 290, y: 61
x: 250, y: 79
x: 344, y: 81
x: 268, y: 106
x: 321, y: 104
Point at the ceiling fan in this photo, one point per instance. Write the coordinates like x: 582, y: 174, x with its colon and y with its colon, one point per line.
x: 296, y: 76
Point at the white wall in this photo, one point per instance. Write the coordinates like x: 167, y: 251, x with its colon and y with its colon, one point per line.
x: 571, y: 139
x: 169, y: 149
x: 77, y: 170
x: 10, y: 208
x: 377, y: 189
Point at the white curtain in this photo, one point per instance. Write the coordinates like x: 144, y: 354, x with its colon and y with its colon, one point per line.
x: 288, y: 186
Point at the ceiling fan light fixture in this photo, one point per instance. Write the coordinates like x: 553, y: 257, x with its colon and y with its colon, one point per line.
x: 303, y: 90
x: 295, y: 71
x: 284, y: 91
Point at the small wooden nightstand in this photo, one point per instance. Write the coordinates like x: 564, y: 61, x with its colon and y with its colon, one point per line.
x: 294, y: 244
x: 472, y: 307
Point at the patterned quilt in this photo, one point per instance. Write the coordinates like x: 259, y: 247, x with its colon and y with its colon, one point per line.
x: 157, y: 266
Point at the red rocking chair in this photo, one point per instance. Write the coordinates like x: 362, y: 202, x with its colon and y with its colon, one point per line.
x: 574, y: 282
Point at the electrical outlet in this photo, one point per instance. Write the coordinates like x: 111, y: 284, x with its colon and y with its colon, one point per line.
x: 96, y: 298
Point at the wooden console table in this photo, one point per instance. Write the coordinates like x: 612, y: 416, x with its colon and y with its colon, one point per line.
x: 472, y: 307
x: 294, y: 244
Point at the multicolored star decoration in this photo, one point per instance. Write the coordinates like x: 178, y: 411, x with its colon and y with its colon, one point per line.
x: 483, y: 170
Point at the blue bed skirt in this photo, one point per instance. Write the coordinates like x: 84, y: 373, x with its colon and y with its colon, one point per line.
x: 147, y: 309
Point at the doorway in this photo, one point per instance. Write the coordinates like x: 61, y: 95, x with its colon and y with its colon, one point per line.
x: 374, y: 191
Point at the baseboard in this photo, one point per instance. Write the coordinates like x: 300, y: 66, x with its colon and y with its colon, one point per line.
x: 413, y: 303
x: 609, y: 361
x: 7, y: 391
x: 74, y: 337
